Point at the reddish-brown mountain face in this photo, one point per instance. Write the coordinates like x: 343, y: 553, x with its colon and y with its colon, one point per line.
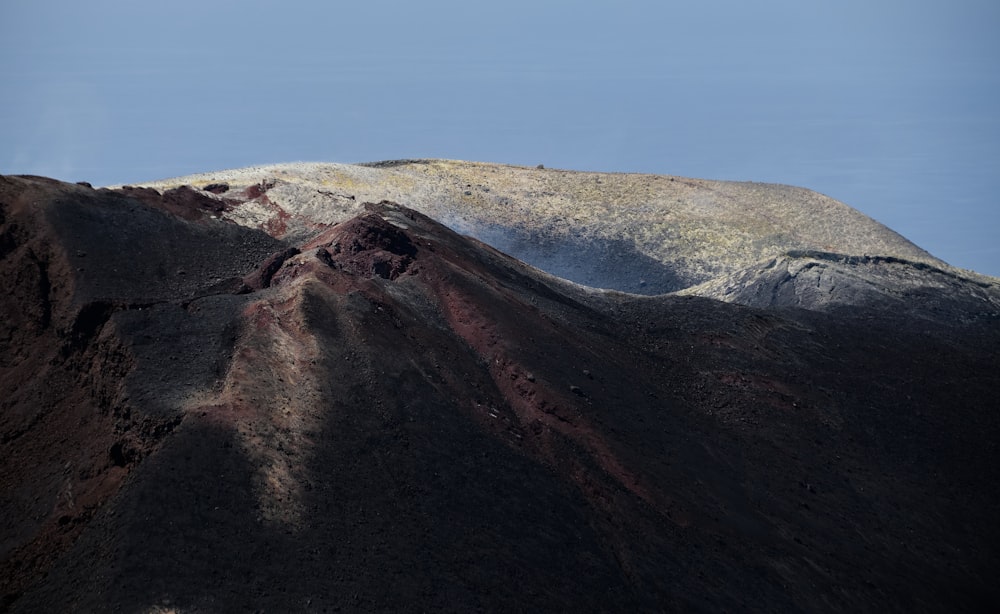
x: 198, y: 416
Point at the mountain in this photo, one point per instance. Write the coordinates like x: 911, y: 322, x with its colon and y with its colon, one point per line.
x: 646, y: 234
x: 442, y: 385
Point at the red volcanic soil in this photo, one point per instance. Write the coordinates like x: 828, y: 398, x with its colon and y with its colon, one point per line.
x: 197, y: 416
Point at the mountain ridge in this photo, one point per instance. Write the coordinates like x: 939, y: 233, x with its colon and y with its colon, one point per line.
x: 676, y: 231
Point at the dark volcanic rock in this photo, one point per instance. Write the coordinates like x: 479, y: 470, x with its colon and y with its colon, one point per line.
x: 183, y: 201
x: 368, y: 245
x: 217, y: 188
x: 399, y: 418
x: 261, y: 277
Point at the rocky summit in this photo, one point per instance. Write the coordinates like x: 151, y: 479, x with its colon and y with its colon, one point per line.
x: 436, y: 385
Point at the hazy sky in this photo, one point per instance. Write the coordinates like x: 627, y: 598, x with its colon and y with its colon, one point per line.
x: 888, y: 105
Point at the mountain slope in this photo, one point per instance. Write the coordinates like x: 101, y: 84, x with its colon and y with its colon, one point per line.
x: 383, y: 414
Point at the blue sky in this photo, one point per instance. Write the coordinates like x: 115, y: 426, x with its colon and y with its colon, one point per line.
x: 890, y: 106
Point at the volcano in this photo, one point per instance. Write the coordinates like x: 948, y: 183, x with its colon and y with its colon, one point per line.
x: 437, y: 385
